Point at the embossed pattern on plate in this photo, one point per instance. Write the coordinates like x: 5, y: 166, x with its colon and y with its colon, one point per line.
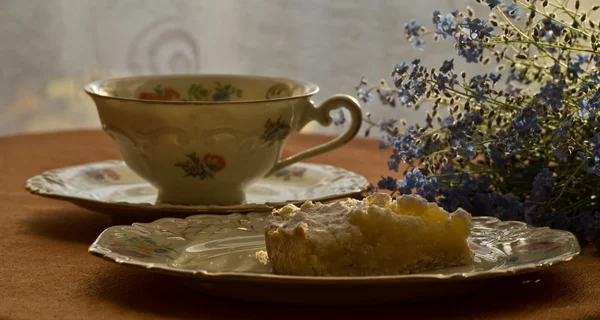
x: 220, y: 250
x: 111, y: 187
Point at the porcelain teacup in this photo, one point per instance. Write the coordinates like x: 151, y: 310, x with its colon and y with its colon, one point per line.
x: 203, y: 139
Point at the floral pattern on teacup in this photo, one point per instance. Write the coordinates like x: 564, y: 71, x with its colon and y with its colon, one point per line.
x: 277, y: 91
x: 166, y: 94
x: 275, y: 131
x: 196, y: 92
x: 136, y: 246
x: 288, y: 173
x: 225, y: 92
x: 202, y: 168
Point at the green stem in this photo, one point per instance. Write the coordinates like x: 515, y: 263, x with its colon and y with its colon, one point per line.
x: 543, y: 44
x: 562, y: 190
x: 545, y: 15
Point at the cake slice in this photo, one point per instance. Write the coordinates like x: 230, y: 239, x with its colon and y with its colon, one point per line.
x: 376, y: 236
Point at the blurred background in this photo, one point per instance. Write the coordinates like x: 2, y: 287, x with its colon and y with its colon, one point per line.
x: 52, y: 48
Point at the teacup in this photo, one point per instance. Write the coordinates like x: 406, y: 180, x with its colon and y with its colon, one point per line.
x: 203, y: 139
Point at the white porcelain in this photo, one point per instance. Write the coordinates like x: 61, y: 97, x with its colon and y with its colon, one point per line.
x: 111, y: 187
x: 215, y: 254
x: 203, y: 139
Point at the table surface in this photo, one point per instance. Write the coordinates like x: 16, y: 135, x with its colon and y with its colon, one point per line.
x: 46, y: 271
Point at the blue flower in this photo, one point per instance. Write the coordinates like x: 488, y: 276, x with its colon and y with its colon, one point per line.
x: 476, y: 29
x: 449, y: 120
x: 403, y: 187
x: 495, y: 77
x: 542, y: 184
x: 417, y: 73
x: 590, y: 225
x: 436, y: 17
x: 493, y: 3
x: 385, y: 142
x: 462, y: 148
x: 387, y: 124
x: 414, y: 179
x: 442, y: 81
x: 506, y: 141
x: 394, y: 161
x: 556, y: 71
x: 481, y: 87
x: 597, y: 60
x: 574, y: 69
x: 459, y: 130
x: 445, y: 26
x: 447, y: 66
x: 363, y: 94
x: 417, y: 88
x: 455, y: 197
x: 425, y: 187
x: 400, y: 69
x: 412, y: 32
x: 405, y: 149
x: 340, y: 118
x: 469, y: 182
x: 387, y: 96
x: 595, y: 143
x: 585, y: 87
x: 551, y: 93
x: 469, y: 49
x: 593, y: 169
x: 412, y: 29
x: 558, y: 144
x: 526, y: 121
x: 549, y: 30
x: 581, y: 58
x: 387, y: 183
x: 406, y: 95
x: 590, y: 106
x: 507, y: 207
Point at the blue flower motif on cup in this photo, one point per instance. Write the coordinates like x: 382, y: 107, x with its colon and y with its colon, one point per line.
x: 275, y: 131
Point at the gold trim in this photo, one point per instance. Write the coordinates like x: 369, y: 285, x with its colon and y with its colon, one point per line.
x: 313, y: 89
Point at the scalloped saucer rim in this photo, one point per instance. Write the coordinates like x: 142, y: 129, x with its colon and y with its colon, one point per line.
x: 52, y: 184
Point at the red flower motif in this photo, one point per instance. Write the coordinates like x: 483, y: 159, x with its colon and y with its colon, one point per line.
x: 194, y: 169
x: 167, y: 94
x: 214, y: 162
x: 150, y: 96
x: 171, y: 94
x: 269, y: 125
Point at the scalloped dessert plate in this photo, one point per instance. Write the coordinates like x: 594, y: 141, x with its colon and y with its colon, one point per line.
x: 111, y: 187
x: 216, y: 254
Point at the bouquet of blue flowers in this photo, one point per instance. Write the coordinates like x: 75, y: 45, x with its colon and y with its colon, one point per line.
x: 521, y: 143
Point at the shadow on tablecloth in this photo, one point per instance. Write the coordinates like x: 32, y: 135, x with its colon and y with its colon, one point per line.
x: 158, y: 294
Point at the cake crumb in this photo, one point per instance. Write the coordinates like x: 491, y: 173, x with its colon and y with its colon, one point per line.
x: 262, y: 257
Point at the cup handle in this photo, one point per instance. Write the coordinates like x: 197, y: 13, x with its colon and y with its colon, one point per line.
x: 322, y: 116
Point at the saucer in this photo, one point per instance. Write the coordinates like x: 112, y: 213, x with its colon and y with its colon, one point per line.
x: 216, y: 254
x: 111, y: 187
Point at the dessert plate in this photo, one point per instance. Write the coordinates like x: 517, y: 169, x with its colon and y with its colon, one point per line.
x: 217, y: 255
x: 111, y: 187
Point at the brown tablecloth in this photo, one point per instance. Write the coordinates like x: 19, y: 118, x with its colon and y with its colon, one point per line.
x: 47, y: 273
